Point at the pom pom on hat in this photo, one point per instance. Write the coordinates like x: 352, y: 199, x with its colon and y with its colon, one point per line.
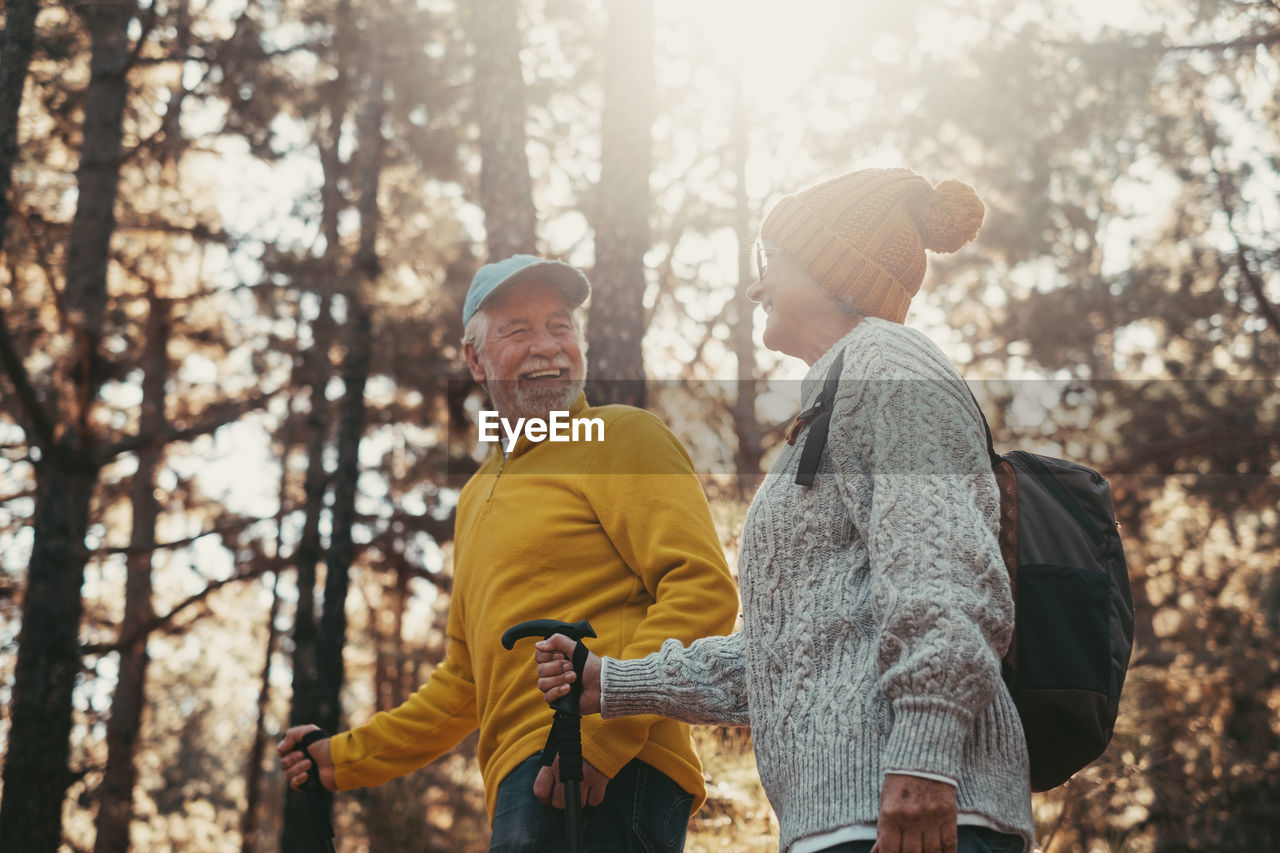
x: 949, y: 216
x: 863, y: 235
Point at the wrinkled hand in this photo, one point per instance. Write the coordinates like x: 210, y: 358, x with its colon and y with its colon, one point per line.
x: 555, y: 673
x: 550, y: 790
x: 917, y: 815
x: 295, y: 766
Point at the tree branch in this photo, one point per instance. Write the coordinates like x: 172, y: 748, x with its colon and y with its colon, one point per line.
x: 1242, y: 251
x: 148, y: 22
x: 37, y: 417
x: 1135, y: 43
x: 187, y: 299
x: 439, y: 529
x: 201, y: 54
x: 199, y: 231
x: 228, y: 527
x: 159, y: 622
x: 1263, y: 40
x: 1255, y: 283
x: 215, y: 416
x: 1181, y: 447
x: 442, y: 582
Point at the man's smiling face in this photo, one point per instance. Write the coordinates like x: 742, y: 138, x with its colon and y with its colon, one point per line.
x: 531, y: 358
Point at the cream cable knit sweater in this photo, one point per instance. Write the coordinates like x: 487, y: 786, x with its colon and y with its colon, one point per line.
x: 875, y: 607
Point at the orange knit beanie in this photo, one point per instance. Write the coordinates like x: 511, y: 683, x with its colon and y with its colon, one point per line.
x: 863, y: 235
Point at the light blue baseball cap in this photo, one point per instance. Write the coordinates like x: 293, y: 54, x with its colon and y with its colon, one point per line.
x: 491, y: 278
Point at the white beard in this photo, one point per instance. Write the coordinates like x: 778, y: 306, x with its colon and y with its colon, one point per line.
x: 528, y: 400
x: 525, y: 399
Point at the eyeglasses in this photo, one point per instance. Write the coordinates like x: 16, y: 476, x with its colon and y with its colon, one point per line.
x: 762, y: 260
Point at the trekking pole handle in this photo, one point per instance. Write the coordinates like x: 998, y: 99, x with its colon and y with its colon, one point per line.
x: 314, y: 792
x: 543, y: 628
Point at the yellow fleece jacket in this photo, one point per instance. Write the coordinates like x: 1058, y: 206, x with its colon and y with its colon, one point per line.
x: 615, y: 531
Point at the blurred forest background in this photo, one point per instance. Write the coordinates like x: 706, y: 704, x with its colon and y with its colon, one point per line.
x: 236, y: 236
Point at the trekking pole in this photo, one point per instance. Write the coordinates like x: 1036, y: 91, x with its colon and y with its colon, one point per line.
x: 314, y: 792
x: 566, y: 727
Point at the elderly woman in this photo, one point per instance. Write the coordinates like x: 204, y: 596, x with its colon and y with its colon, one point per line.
x: 876, y: 607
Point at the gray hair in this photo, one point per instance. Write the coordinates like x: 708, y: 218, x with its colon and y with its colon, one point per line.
x: 848, y: 307
x: 477, y: 329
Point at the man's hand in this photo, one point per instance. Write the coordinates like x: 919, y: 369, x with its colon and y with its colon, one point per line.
x: 555, y: 673
x: 550, y: 790
x: 295, y: 766
x: 917, y: 815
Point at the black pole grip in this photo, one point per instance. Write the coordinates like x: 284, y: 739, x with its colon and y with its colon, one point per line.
x: 565, y: 738
x: 315, y: 793
x: 543, y: 628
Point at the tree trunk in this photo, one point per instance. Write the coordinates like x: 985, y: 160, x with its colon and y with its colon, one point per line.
x: 316, y: 484
x: 394, y: 676
x: 317, y: 370
x: 253, y: 776
x: 15, y: 58
x: 506, y: 192
x: 616, y: 325
x: 406, y: 667
x: 333, y: 620
x: 98, y: 179
x: 115, y: 796
x: 298, y: 834
x: 351, y: 411
x: 36, y: 772
x: 745, y: 425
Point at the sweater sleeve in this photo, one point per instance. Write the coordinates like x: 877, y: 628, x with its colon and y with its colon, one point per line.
x: 704, y: 683
x: 939, y: 593
x: 430, y: 723
x: 643, y: 490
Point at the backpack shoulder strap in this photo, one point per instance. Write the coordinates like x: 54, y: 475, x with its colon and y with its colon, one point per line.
x: 1007, y: 484
x: 818, y: 418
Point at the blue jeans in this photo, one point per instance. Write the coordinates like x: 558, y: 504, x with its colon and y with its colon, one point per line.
x: 972, y: 839
x: 643, y: 812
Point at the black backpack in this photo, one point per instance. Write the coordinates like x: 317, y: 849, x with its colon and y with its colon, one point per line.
x: 1073, y: 625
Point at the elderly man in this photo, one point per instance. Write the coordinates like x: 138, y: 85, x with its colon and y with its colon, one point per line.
x: 615, y: 530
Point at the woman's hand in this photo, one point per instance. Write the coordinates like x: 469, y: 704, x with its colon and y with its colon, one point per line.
x: 555, y: 673
x: 917, y: 815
